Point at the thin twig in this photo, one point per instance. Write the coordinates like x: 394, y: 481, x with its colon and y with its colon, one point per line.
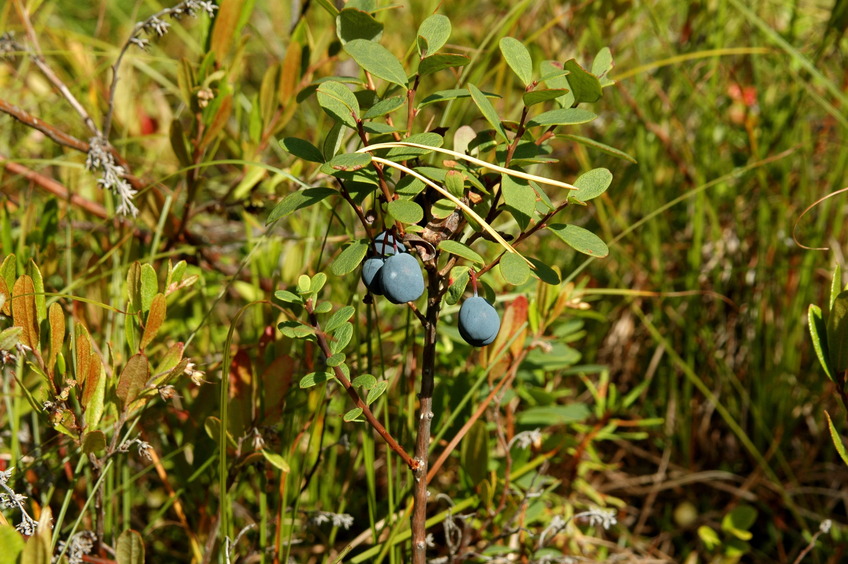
x: 45, y: 69
x: 351, y: 391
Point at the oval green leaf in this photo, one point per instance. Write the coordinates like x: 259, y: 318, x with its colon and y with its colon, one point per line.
x: 514, y: 269
x: 488, y: 110
x: 405, y: 211
x: 580, y: 239
x: 460, y: 250
x: 377, y: 60
x: 592, y: 184
x: 349, y: 258
x: 433, y: 33
x: 564, y: 116
x: 518, y: 58
x: 339, y: 102
x: 302, y: 149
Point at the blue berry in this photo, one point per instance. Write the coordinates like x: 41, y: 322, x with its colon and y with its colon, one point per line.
x: 478, y: 322
x: 384, y: 243
x: 401, y: 278
x: 371, y: 277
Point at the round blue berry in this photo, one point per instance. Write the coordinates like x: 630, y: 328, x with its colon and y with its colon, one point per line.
x: 478, y: 322
x: 401, y: 278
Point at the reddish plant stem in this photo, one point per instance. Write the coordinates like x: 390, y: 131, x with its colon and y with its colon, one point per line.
x: 351, y: 391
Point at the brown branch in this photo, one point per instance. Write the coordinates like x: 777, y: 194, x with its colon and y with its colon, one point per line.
x: 55, y: 188
x: 45, y: 69
x: 351, y: 391
x: 57, y: 135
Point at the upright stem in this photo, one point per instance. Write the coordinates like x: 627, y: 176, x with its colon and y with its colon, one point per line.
x: 425, y: 417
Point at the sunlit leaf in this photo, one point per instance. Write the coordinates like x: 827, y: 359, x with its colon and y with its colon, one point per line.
x: 460, y: 250
x: 377, y: 60
x: 514, y: 269
x: 349, y: 258
x: 488, y: 111
x: 518, y: 58
x: 580, y: 239
x: 591, y: 184
x: 433, y: 33
x: 339, y: 102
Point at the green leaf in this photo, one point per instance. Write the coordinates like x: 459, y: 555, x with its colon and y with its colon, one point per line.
x: 514, y: 269
x: 518, y: 58
x: 342, y: 337
x: 554, y: 414
x: 409, y: 186
x: 323, y: 307
x: 442, y: 61
x: 446, y: 95
x: 376, y: 391
x: 276, y: 460
x: 37, y: 549
x: 10, y: 337
x: 592, y: 184
x: 384, y: 107
x: 460, y: 250
x: 352, y: 23
x: 333, y: 141
x: 580, y: 239
x: 433, y: 33
x: 442, y: 208
x: 474, y: 452
x: 818, y: 333
x: 835, y: 285
x: 538, y: 96
x: 346, y: 162
x: 288, y: 297
x: 365, y: 381
x: 599, y: 146
x: 837, y: 440
x: 315, y: 378
x: 377, y: 60
x: 405, y: 211
x: 520, y: 199
x: 353, y: 414
x: 335, y: 360
x: 585, y: 87
x: 338, y: 318
x: 407, y: 153
x: 130, y: 548
x: 302, y: 149
x: 602, y: 64
x: 38, y: 288
x: 460, y: 276
x: 837, y: 333
x: 349, y: 258
x: 709, y: 537
x: 299, y: 200
x: 544, y: 272
x: 488, y: 110
x: 739, y: 521
x: 563, y: 116
x: 339, y: 102
x: 12, y: 542
x: 455, y: 183
x: 149, y: 286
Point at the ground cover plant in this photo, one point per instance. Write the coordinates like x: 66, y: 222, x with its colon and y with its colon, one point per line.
x: 365, y: 282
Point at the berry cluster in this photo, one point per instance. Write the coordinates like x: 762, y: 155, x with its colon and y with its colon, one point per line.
x: 395, y: 274
x: 392, y: 272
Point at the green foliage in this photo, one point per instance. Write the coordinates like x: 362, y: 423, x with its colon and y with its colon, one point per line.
x: 191, y: 327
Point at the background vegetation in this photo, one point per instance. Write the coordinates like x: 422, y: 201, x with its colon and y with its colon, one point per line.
x: 680, y: 390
